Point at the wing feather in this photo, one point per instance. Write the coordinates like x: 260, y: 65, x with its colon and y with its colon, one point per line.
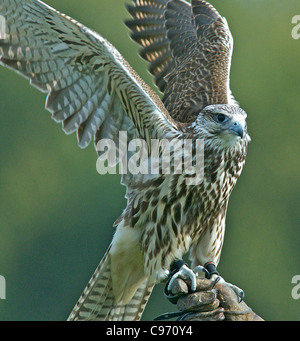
x: 90, y: 87
x: 189, y: 49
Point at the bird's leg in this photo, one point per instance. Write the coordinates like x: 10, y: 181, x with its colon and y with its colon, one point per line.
x: 179, y: 269
x: 213, y: 274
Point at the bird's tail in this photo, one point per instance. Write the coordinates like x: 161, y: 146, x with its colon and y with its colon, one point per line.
x: 97, y: 302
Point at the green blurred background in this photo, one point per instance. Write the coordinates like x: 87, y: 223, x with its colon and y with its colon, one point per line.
x: 56, y: 212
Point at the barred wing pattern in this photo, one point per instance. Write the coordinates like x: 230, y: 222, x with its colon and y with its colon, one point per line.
x: 148, y: 30
x: 189, y: 49
x: 92, y: 89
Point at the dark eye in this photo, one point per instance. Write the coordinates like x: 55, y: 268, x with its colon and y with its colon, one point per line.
x: 221, y: 118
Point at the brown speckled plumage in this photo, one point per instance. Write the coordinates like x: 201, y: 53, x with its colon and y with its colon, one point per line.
x: 92, y: 90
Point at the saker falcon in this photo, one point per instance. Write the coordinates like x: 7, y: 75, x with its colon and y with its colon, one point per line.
x: 93, y: 91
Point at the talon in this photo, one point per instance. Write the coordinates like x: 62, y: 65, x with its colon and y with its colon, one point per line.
x: 239, y: 292
x: 214, y: 276
x: 241, y: 296
x: 182, y: 272
x: 199, y: 269
x: 216, y: 281
x: 179, y: 269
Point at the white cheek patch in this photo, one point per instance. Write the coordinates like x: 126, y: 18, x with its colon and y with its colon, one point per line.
x: 228, y: 139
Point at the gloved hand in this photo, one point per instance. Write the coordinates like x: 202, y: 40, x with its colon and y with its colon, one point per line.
x: 210, y: 302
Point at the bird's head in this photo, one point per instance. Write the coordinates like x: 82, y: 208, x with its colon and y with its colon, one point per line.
x: 222, y: 125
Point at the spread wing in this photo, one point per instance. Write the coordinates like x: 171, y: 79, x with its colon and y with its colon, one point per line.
x: 91, y: 88
x: 189, y: 49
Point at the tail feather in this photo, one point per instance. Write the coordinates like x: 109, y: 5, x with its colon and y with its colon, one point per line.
x: 97, y: 302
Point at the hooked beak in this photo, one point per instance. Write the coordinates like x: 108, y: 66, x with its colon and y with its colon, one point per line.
x: 237, y: 129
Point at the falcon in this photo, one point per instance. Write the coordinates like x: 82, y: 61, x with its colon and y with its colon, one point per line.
x: 94, y: 92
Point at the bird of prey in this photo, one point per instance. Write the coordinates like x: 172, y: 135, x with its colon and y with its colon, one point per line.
x: 93, y: 91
